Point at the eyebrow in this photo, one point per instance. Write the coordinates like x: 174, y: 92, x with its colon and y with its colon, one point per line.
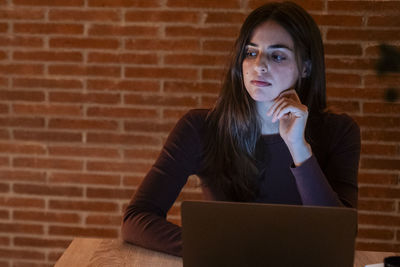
x: 275, y: 46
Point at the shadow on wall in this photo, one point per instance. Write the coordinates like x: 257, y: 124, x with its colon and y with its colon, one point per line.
x: 389, y: 62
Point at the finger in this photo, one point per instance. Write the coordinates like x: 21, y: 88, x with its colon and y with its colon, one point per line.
x: 274, y: 106
x: 290, y: 93
x: 286, y: 105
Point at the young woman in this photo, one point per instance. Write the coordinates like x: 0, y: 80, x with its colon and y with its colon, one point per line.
x: 268, y: 139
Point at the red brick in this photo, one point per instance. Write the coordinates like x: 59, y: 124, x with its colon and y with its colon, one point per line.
x: 225, y: 17
x: 379, y: 150
x: 22, y: 122
x: 22, y: 202
x: 384, y: 21
x: 3, y: 55
x: 377, y: 205
x: 84, y: 178
x: 381, y: 108
x: 110, y: 193
x: 3, y: 27
x: 348, y: 106
x: 162, y: 16
x: 4, y: 162
x: 4, y: 188
x: 48, y: 56
x: 124, y: 3
x: 92, y: 206
x: 377, y: 178
x: 21, y: 41
x: 47, y: 163
x: 47, y: 83
x: 380, y: 164
x: 362, y: 35
x: 19, y: 175
x: 4, y: 214
x: 380, y: 135
x: 191, y: 87
x: 374, y: 246
x: 126, y: 166
x: 47, y: 136
x: 149, y: 126
x: 381, y: 81
x: 21, y: 228
x: 378, y: 192
x: 136, y: 31
x: 369, y: 233
x: 124, y: 85
x: 377, y: 121
x: 52, y: 256
x: 218, y: 45
x: 126, y: 139
x: 48, y: 190
x: 22, y: 148
x: 132, y: 180
x: 82, y: 124
x: 314, y: 5
x: 83, y: 43
x: 57, y: 217
x: 104, y: 220
x: 43, y: 109
x: 204, y: 4
x: 196, y: 31
x: 122, y: 112
x: 13, y: 253
x: 41, y: 242
x: 358, y: 93
x: 162, y: 72
x: 47, y: 28
x: 84, y: 15
x: 22, y: 14
x: 130, y: 58
x: 58, y: 3
x: 349, y: 64
x: 4, y: 134
x: 378, y: 219
x: 364, y: 6
x: 83, y: 151
x: 69, y: 97
x: 160, y: 100
x: 192, y: 59
x: 343, y: 78
x: 85, y: 70
x: 213, y: 74
x: 22, y: 69
x: 142, y: 153
x: 338, y: 20
x: 4, y: 108
x: 83, y: 231
x: 163, y: 45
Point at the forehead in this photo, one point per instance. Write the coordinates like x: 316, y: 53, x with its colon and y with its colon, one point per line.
x: 271, y: 33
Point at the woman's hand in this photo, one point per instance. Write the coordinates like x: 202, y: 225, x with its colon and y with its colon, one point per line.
x: 292, y: 116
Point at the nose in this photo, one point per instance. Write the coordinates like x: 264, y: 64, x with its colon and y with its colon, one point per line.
x: 261, y: 65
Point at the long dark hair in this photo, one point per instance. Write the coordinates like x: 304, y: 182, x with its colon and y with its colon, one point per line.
x: 230, y: 166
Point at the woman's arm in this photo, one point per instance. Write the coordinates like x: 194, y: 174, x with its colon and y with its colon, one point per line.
x: 336, y: 183
x: 144, y: 220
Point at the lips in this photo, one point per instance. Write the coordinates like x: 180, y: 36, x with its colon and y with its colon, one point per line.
x: 260, y: 83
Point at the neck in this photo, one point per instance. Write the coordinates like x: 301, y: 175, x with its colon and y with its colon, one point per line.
x: 267, y: 126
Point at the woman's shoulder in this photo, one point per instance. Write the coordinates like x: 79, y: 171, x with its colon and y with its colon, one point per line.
x: 194, y: 119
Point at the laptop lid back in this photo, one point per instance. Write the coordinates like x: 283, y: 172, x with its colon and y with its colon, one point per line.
x: 249, y: 234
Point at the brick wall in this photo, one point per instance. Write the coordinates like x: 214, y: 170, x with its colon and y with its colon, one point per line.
x: 89, y: 90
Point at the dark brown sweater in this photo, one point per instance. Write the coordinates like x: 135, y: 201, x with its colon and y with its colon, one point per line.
x: 328, y: 178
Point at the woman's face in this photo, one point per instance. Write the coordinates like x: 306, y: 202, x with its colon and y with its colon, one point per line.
x: 269, y: 66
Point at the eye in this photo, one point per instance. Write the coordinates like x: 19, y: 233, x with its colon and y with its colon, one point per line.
x: 278, y: 58
x: 251, y: 53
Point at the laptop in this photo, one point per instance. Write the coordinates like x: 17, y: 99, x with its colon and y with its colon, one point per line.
x: 218, y: 234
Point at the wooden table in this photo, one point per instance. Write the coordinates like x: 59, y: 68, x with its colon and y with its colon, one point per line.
x: 94, y: 252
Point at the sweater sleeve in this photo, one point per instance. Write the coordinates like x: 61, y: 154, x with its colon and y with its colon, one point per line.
x: 144, y: 221
x: 336, y: 183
